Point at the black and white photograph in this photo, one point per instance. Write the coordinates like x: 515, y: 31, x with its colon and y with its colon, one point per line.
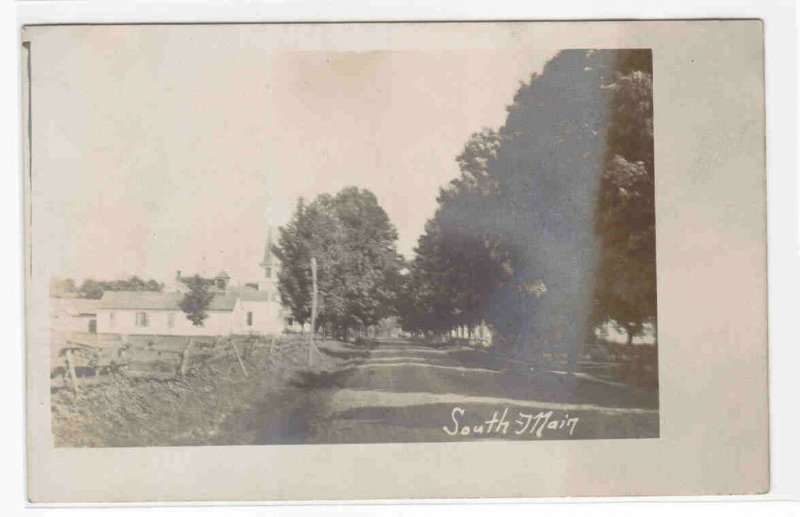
x: 265, y: 260
x: 333, y: 247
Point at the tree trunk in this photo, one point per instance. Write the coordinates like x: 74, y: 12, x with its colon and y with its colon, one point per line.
x: 631, y: 331
x: 311, y: 344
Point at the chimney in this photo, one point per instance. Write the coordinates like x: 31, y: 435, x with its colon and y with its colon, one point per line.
x: 178, y: 275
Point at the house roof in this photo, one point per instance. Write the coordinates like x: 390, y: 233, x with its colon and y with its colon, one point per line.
x: 75, y: 306
x: 248, y: 294
x: 152, y: 300
x: 223, y: 301
x: 140, y: 300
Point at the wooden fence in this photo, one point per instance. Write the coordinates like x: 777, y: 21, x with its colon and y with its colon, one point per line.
x: 82, y: 361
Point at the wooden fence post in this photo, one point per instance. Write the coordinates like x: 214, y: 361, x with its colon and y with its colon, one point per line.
x: 238, y: 357
x: 71, y: 369
x: 184, y: 367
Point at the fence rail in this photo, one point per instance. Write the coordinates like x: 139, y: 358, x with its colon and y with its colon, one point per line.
x: 83, y: 361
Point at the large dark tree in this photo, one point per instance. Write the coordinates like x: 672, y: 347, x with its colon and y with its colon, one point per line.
x: 457, y: 258
x: 366, y: 270
x: 626, y: 280
x: 548, y: 172
x: 549, y: 230
x: 354, y: 243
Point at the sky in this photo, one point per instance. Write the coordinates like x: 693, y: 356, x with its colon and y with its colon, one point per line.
x: 156, y: 151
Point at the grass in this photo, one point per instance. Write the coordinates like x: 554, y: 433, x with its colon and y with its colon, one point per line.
x: 151, y: 410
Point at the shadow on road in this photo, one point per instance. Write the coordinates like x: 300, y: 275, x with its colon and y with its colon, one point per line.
x: 379, y: 394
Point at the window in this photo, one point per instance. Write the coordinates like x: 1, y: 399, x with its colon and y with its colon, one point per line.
x: 170, y: 319
x: 142, y: 319
x: 249, y: 319
x: 112, y: 318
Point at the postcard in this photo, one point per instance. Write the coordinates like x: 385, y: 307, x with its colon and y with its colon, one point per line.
x: 349, y: 261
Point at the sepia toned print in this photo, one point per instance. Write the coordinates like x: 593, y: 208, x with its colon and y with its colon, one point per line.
x: 512, y: 298
x: 534, y: 250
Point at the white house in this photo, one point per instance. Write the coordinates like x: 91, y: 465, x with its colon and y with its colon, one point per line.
x: 159, y: 314
x: 254, y: 308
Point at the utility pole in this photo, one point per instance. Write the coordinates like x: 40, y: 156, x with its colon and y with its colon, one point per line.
x: 313, y: 311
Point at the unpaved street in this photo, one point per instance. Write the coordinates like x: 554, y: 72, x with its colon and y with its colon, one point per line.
x: 399, y: 391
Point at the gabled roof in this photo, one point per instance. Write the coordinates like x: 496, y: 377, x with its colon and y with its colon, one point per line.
x: 152, y: 300
x: 248, y: 294
x: 223, y: 301
x: 140, y: 300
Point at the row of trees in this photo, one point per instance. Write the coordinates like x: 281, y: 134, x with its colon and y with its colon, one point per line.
x: 549, y: 230
x: 91, y: 288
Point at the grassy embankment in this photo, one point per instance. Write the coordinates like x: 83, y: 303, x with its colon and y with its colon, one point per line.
x: 132, y: 408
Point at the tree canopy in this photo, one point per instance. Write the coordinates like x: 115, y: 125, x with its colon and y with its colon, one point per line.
x: 91, y: 288
x: 354, y: 243
x: 547, y: 233
x: 196, y: 300
x: 549, y: 229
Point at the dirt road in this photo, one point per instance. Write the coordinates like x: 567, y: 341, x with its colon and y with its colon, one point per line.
x: 399, y: 391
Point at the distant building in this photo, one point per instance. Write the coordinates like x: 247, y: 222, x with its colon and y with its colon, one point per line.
x: 253, y: 308
x: 233, y: 311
